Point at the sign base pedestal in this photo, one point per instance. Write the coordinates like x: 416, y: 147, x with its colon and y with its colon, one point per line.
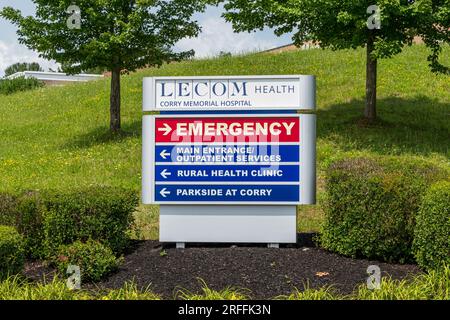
x: 228, y: 224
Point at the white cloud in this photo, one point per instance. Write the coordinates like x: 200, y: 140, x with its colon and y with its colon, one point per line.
x: 217, y: 35
x: 11, y: 53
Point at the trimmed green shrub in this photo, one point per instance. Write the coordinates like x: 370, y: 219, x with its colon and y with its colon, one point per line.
x: 29, y: 223
x: 432, y: 233
x: 371, y: 206
x: 12, y: 255
x: 103, y: 214
x: 49, y: 219
x: 10, y: 86
x: 94, y: 259
x: 8, y: 209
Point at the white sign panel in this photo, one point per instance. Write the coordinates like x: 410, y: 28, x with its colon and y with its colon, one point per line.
x: 295, y: 92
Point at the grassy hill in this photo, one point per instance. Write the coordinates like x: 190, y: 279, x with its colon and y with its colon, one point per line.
x: 58, y: 137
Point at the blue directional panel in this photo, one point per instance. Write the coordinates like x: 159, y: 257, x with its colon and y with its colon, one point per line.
x: 227, y: 173
x: 230, y: 153
x: 227, y: 193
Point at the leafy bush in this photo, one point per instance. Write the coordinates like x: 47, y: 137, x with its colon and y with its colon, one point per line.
x: 48, y: 219
x: 371, y: 206
x: 10, y: 86
x: 29, y: 222
x: 103, y: 214
x: 21, y: 67
x: 12, y: 256
x: 432, y: 233
x: 8, y: 207
x: 94, y: 259
x: 18, y: 288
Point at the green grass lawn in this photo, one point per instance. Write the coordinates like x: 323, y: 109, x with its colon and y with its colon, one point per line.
x: 57, y: 137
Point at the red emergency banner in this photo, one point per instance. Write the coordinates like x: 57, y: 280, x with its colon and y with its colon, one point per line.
x: 257, y: 129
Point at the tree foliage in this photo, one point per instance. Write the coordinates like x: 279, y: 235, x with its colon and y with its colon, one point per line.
x: 114, y: 35
x: 126, y: 34
x: 22, y: 66
x: 340, y: 24
x: 343, y: 24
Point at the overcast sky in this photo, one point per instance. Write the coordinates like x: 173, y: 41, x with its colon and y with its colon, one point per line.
x: 217, y: 35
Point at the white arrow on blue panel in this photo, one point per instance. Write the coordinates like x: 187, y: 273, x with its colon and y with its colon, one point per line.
x: 164, y: 154
x: 165, y: 173
x: 164, y: 193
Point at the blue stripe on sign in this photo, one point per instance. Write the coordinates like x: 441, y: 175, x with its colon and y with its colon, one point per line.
x: 227, y: 153
x: 227, y: 193
x: 222, y: 173
x: 218, y: 112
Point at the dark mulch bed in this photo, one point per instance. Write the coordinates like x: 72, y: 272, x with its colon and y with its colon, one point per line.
x: 265, y: 272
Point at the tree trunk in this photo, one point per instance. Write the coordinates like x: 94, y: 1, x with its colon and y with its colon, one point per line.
x: 370, y: 112
x: 114, y: 107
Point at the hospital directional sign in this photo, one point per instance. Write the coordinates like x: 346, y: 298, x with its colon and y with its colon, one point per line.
x: 224, y: 159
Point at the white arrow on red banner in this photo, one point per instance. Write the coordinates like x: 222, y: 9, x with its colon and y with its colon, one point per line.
x: 167, y: 129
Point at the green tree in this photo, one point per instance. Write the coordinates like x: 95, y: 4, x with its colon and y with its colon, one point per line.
x: 341, y: 24
x: 22, y: 66
x: 115, y: 35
